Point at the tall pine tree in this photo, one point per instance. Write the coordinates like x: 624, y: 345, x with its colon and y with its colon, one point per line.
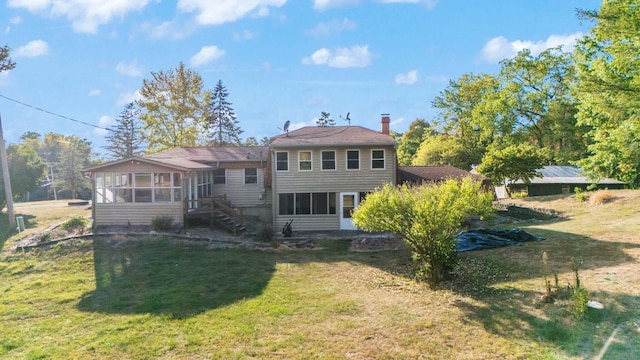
x: 125, y: 137
x: 222, y: 123
x: 325, y: 120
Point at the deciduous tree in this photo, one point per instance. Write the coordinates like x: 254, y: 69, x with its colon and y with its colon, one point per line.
x: 410, y: 141
x: 512, y: 163
x: 608, y: 90
x: 173, y: 109
x: 427, y: 218
x: 26, y: 169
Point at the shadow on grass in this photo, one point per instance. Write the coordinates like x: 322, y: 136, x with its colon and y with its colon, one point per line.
x: 519, y: 314
x: 173, y: 278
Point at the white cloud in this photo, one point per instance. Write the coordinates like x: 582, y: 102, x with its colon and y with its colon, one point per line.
x: 95, y: 92
x: 33, y: 48
x: 322, y: 5
x: 396, y: 122
x: 15, y: 20
x: 356, y: 56
x: 126, y: 98
x: 206, y: 55
x: 244, y: 35
x: 104, y: 122
x: 85, y: 15
x: 332, y: 27
x: 216, y: 12
x: 131, y: 69
x: 409, y: 78
x: 4, y: 78
x: 168, y: 29
x: 500, y: 48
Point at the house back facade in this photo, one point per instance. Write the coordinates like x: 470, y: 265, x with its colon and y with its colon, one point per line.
x: 313, y: 176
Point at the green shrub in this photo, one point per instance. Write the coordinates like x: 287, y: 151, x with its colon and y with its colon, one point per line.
x: 581, y: 196
x: 162, y: 223
x: 77, y: 223
x: 579, y: 300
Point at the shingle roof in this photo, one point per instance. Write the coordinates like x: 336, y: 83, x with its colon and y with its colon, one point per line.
x: 566, y: 174
x: 215, y: 154
x: 312, y: 136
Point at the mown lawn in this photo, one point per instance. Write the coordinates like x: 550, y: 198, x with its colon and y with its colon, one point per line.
x: 155, y: 297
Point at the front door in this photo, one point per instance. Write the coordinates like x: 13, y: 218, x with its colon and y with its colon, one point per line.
x: 348, y: 203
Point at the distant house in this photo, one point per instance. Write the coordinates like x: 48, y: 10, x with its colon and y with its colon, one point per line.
x: 558, y: 179
x: 315, y: 176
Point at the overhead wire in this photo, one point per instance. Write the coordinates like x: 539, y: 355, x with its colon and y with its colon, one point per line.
x: 54, y: 114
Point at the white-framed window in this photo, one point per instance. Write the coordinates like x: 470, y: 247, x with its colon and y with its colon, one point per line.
x: 353, y: 159
x: 142, y: 188
x: 205, y: 180
x: 328, y: 160
x: 124, y: 187
x: 304, y: 161
x: 377, y: 159
x: 219, y: 176
x: 250, y: 175
x: 282, y: 161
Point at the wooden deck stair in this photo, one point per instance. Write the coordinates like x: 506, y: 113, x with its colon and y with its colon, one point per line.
x: 219, y: 211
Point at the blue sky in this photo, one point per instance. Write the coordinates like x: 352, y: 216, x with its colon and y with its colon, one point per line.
x: 279, y: 59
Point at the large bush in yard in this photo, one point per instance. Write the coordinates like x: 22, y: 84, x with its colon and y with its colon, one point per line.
x: 427, y: 217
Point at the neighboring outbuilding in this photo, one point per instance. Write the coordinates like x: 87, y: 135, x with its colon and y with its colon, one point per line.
x: 559, y: 179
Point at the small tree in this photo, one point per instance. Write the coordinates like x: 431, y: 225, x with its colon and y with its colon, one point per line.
x: 221, y: 120
x: 427, y: 217
x: 325, y: 120
x: 125, y: 137
x: 512, y: 163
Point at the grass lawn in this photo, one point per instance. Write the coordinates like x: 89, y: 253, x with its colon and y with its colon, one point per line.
x: 155, y: 297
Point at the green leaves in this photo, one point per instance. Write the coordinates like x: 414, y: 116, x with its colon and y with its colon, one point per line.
x: 427, y: 217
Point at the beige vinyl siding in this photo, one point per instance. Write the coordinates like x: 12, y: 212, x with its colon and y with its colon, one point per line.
x: 136, y: 213
x: 340, y: 180
x: 239, y: 193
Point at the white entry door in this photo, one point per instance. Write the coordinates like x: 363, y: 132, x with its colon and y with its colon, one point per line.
x: 348, y: 202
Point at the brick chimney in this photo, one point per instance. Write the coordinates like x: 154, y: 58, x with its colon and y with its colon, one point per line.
x: 385, y: 124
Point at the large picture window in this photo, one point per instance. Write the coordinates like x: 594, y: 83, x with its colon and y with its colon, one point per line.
x: 307, y: 203
x: 138, y: 187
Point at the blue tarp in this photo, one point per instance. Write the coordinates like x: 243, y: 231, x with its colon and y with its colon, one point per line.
x: 479, y: 239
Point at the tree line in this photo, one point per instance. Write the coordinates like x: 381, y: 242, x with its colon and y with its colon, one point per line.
x: 555, y: 107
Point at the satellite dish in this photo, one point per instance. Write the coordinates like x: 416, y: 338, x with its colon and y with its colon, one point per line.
x: 347, y: 119
x: 286, y: 126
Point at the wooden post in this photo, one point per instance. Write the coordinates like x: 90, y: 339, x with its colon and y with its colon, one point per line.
x: 7, y: 181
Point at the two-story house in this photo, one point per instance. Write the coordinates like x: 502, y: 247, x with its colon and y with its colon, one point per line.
x: 314, y: 175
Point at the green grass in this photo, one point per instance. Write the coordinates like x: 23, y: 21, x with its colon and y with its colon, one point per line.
x: 154, y: 297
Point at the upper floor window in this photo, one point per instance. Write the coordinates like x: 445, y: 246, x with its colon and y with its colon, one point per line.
x: 328, y: 160
x: 353, y: 159
x: 251, y: 176
x: 304, y: 161
x: 377, y: 159
x: 282, y: 161
x: 219, y: 176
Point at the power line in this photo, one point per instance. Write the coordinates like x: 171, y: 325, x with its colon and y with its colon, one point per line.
x: 52, y: 113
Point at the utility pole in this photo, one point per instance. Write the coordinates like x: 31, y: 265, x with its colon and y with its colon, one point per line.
x: 7, y: 180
